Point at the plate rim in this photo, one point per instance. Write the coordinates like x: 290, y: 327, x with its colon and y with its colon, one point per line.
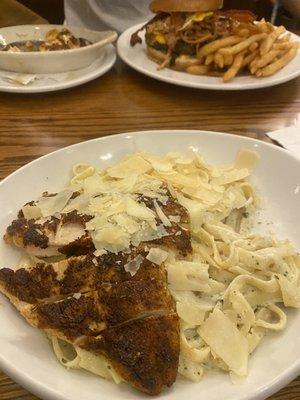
x: 109, y: 58
x: 37, y: 387
x: 156, y: 132
x: 204, y: 86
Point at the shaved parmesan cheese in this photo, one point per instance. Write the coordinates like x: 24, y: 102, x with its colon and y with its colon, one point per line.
x: 158, y: 163
x: 207, y: 196
x: 132, y: 164
x: 246, y: 159
x: 80, y: 203
x: 94, y: 185
x: 111, y: 238
x: 99, y: 253
x: 139, y: 211
x: 31, y: 212
x: 54, y: 204
x: 147, y: 234
x: 133, y: 266
x: 157, y: 256
x: 77, y: 296
x: 164, y: 219
x: 226, y: 341
x: 195, y: 209
x: 231, y: 176
x: 96, y: 223
x: 127, y: 223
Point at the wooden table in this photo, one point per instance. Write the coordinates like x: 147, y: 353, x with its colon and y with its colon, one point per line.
x: 124, y: 101
x: 14, y: 13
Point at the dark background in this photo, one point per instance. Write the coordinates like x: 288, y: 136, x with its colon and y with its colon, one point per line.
x: 53, y: 10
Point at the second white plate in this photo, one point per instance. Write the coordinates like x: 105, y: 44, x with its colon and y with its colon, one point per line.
x: 52, y: 82
x: 136, y: 58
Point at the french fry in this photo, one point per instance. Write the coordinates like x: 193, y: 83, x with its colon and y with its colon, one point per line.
x: 271, y: 27
x: 283, y: 46
x: 266, y: 45
x: 198, y: 69
x: 185, y: 61
x: 266, y: 59
x: 228, y: 60
x: 252, y: 66
x: 209, y: 59
x: 219, y: 60
x: 238, y: 48
x: 251, y: 28
x: 261, y: 47
x: 214, y: 73
x: 253, y: 46
x: 235, y: 68
x: 277, y: 65
x: 250, y: 57
x: 262, y: 26
x: 284, y: 38
x: 218, y: 44
x: 243, y: 32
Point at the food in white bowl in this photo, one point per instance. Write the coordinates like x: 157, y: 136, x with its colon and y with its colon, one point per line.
x: 46, y: 49
x: 55, y: 40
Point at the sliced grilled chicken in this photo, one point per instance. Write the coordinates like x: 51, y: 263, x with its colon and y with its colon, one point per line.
x: 66, y: 234
x: 44, y: 237
x: 76, y: 275
x: 90, y: 313
x: 145, y: 352
x: 131, y: 322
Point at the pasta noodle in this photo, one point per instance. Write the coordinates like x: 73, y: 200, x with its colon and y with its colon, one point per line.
x: 74, y: 357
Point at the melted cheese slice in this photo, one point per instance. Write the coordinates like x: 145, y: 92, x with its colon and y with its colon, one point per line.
x: 160, y: 38
x: 198, y: 17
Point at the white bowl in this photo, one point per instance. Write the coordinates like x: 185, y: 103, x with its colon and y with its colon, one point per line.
x: 51, y: 62
x: 26, y: 355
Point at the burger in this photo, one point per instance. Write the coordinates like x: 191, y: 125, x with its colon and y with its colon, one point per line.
x: 181, y: 27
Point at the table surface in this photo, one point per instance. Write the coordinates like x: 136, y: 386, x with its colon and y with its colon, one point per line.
x: 14, y: 13
x: 124, y: 101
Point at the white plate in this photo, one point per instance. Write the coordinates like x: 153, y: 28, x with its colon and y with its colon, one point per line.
x: 137, y: 58
x: 25, y: 352
x: 51, y: 82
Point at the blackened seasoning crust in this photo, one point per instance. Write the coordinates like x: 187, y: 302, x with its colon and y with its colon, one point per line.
x: 179, y: 239
x: 127, y: 300
x: 75, y: 217
x: 28, y: 232
x: 145, y: 352
x: 76, y: 274
x: 27, y: 285
x: 34, y: 236
x: 72, y: 317
x: 81, y: 246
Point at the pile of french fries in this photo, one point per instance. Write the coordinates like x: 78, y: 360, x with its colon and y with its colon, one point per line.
x: 262, y: 48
